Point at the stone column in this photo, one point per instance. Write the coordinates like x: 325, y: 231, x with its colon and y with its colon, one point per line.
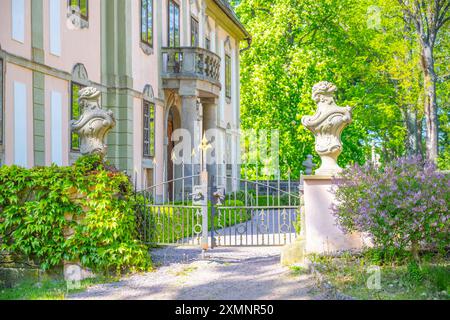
x: 191, y: 123
x: 191, y: 113
x: 210, y: 128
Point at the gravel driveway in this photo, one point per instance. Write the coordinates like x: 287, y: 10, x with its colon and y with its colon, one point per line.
x: 222, y: 274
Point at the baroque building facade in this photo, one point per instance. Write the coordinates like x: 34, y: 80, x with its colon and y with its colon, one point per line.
x: 161, y: 65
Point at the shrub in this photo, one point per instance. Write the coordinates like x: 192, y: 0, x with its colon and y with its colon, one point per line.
x: 402, y: 205
x: 90, y: 200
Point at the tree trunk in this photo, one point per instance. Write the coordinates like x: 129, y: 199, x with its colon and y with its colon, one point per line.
x: 412, y: 139
x: 430, y: 104
x: 420, y: 138
x: 412, y: 145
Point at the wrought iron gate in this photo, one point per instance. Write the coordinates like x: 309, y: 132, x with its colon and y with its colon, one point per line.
x: 209, y: 209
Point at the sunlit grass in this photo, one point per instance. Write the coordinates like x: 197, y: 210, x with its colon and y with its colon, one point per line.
x: 50, y: 289
x: 430, y: 280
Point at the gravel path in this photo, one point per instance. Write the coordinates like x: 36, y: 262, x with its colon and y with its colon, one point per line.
x: 222, y: 274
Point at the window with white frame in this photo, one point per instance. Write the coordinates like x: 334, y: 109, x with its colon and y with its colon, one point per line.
x: 174, y: 24
x: 228, y: 75
x: 194, y: 32
x: 147, y: 22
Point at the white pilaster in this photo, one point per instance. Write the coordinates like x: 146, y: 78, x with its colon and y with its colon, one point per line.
x: 201, y: 26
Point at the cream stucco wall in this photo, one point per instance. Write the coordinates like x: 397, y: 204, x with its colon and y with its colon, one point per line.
x: 145, y: 70
x: 6, y: 41
x: 77, y: 45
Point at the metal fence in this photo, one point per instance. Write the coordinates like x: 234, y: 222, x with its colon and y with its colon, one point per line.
x: 210, y: 209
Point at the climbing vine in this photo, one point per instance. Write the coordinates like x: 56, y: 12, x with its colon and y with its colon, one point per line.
x: 84, y: 213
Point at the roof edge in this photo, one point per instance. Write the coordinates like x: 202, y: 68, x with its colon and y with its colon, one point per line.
x: 226, y: 7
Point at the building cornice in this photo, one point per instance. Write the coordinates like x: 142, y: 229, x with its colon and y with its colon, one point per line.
x: 228, y: 10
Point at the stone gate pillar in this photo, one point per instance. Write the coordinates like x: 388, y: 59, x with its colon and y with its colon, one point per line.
x: 322, y: 233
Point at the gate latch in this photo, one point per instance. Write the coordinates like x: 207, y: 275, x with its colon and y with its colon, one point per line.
x: 197, y: 195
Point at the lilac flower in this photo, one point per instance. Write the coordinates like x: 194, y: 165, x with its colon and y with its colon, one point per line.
x: 404, y: 198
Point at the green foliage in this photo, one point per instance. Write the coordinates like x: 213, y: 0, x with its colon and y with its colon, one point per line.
x: 376, y: 66
x: 386, y: 256
x: 414, y: 273
x: 40, y: 206
x: 444, y: 159
x: 251, y: 199
x: 402, y: 280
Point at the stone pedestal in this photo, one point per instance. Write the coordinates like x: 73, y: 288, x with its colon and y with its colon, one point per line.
x: 322, y: 233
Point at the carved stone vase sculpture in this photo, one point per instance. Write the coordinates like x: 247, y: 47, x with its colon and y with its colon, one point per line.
x: 93, y: 124
x: 327, y: 126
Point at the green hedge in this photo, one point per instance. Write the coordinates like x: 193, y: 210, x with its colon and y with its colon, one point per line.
x: 34, y: 205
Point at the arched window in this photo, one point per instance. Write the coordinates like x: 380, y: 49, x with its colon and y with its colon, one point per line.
x: 79, y: 81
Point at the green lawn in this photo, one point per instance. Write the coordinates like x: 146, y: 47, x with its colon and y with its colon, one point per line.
x: 429, y: 280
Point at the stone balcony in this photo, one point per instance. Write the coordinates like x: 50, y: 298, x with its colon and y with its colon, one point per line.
x: 191, y: 68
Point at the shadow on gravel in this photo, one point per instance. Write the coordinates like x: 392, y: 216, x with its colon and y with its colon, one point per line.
x: 223, y: 274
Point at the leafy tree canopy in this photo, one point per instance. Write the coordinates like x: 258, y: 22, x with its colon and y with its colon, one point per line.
x: 364, y: 47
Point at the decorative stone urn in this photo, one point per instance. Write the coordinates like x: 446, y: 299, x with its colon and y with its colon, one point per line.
x: 93, y: 124
x: 327, y: 126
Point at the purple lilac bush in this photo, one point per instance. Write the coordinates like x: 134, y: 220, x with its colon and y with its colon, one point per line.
x: 402, y: 205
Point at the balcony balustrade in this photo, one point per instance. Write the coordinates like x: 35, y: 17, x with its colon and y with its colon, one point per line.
x: 190, y: 63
